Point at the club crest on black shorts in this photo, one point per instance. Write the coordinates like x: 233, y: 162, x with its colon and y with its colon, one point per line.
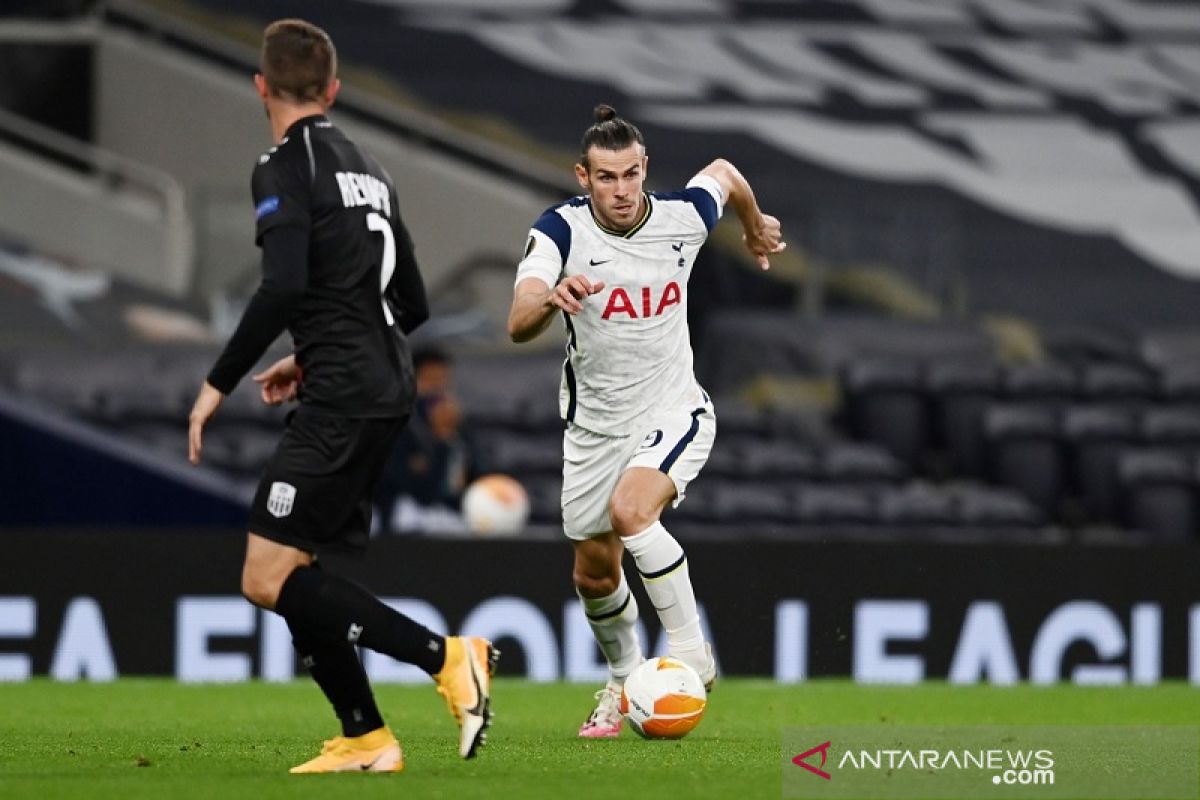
x: 281, y: 499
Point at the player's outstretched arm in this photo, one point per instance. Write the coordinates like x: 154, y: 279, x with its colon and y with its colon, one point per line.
x: 761, y: 232
x: 535, y: 303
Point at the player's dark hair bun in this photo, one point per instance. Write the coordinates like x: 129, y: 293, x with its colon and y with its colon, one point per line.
x: 610, y: 131
x: 604, y: 112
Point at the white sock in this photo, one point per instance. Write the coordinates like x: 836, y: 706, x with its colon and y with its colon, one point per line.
x: 664, y: 571
x: 613, y: 619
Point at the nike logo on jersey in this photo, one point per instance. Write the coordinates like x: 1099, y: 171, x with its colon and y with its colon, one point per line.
x: 678, y: 248
x: 594, y: 263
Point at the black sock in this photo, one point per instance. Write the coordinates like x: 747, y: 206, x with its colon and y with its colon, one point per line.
x: 336, y: 668
x: 339, y: 610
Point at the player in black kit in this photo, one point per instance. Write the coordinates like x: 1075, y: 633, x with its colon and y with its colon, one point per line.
x: 339, y: 275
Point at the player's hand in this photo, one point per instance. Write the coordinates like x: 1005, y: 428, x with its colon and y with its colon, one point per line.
x: 206, y: 405
x: 280, y: 382
x: 570, y: 293
x: 764, y: 239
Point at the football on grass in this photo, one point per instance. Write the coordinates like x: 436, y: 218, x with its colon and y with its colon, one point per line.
x: 663, y: 698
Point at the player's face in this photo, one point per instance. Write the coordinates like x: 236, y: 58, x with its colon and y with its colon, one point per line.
x: 613, y: 179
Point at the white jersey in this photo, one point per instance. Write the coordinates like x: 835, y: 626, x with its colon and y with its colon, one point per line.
x: 628, y: 350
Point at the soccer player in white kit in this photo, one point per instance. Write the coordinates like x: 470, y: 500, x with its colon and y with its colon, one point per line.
x: 615, y: 264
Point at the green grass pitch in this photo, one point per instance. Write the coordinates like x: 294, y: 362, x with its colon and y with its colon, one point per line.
x: 148, y: 738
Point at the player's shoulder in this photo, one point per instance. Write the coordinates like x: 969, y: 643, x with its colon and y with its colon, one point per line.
x: 561, y: 217
x: 688, y: 196
x: 698, y: 197
x: 283, y: 163
x: 556, y: 223
x: 567, y: 209
x: 289, y: 149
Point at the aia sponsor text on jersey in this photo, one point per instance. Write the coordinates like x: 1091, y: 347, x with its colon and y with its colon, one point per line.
x: 653, y: 304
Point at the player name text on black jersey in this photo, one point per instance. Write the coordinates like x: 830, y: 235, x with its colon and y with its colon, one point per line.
x: 361, y: 189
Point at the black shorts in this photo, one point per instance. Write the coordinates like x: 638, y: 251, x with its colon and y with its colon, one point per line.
x: 315, y: 493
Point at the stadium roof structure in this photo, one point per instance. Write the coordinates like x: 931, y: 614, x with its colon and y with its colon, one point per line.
x: 1008, y: 155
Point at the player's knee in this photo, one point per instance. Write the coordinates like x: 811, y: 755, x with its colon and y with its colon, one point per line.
x: 260, y: 589
x: 631, y: 514
x: 594, y: 585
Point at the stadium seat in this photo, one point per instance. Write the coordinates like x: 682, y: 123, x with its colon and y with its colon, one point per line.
x: 156, y: 401
x: 863, y: 463
x: 698, y: 508
x: 959, y: 396
x: 917, y: 504
x: 725, y: 460
x: 733, y: 503
x: 1024, y: 451
x: 1158, y: 494
x: 171, y: 439
x: 777, y: 460
x: 885, y: 404
x: 1095, y: 436
x: 68, y: 388
x: 992, y: 507
x: 1112, y: 383
x: 834, y: 504
x: 1046, y: 383
x: 519, y: 454
x: 740, y: 420
x: 1179, y: 383
x: 810, y: 427
x: 742, y: 344
x: 1171, y: 427
x: 1082, y: 343
x: 1171, y: 348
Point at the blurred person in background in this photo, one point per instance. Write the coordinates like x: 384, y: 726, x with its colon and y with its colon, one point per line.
x: 340, y: 276
x: 424, y: 479
x: 614, y: 264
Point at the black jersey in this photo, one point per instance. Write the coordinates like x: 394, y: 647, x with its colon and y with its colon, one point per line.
x: 361, y: 291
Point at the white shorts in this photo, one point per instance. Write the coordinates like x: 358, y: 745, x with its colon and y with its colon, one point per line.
x: 675, y: 440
